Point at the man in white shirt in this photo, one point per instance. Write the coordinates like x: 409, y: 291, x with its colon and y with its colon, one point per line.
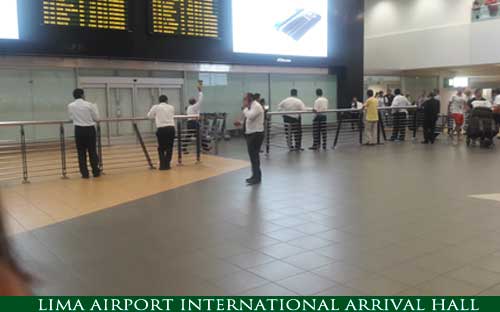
x: 356, y: 116
x: 293, y: 123
x: 399, y: 115
x: 319, y: 122
x: 85, y: 116
x: 194, y: 109
x: 254, y: 130
x: 457, y: 108
x: 163, y: 114
x: 496, y: 107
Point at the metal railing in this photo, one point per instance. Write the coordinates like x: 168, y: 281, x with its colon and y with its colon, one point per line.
x: 342, y: 127
x: 22, y: 158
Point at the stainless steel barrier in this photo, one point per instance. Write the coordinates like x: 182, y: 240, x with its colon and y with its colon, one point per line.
x: 23, y: 158
x: 341, y: 127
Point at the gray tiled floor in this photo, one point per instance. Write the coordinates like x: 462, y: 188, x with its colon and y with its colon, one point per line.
x: 393, y: 219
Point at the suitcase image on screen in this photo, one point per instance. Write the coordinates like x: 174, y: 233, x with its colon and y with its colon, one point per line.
x: 298, y: 24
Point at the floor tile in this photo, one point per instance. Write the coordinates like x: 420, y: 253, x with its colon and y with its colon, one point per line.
x: 341, y: 272
x: 308, y: 260
x: 306, y: 284
x: 281, y: 251
x: 250, y: 260
x: 409, y: 274
x: 285, y: 235
x: 476, y: 276
x: 269, y: 290
x: 240, y: 282
x: 309, y: 242
x: 377, y: 286
x: 276, y: 270
x: 443, y: 286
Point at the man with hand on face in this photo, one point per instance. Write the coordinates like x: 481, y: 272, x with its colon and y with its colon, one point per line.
x: 254, y: 129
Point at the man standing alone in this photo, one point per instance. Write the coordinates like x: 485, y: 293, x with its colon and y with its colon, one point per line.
x: 84, y: 116
x: 431, y: 112
x: 371, y: 107
x: 163, y: 114
x: 254, y: 130
x: 400, y: 116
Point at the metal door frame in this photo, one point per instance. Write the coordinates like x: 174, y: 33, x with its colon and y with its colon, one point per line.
x: 133, y: 83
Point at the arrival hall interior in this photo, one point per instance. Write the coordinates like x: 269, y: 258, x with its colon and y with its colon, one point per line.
x: 172, y: 148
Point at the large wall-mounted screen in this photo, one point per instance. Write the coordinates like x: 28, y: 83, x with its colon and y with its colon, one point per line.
x: 98, y: 14
x: 192, y: 18
x: 9, y: 25
x: 281, y: 27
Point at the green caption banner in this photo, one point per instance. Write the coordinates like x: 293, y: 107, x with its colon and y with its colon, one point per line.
x: 244, y: 304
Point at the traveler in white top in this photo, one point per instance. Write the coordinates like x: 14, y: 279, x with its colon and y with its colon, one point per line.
x: 194, y: 108
x: 163, y: 114
x: 85, y: 116
x: 457, y: 109
x: 254, y: 130
x: 320, y: 121
x: 496, y: 107
x: 293, y: 123
x: 399, y: 115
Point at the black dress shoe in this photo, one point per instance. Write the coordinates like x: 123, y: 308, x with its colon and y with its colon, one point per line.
x: 314, y: 148
x: 254, y: 182
x: 86, y: 177
x: 249, y: 179
x: 425, y: 142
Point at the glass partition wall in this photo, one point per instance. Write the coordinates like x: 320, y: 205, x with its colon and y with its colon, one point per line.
x: 43, y: 94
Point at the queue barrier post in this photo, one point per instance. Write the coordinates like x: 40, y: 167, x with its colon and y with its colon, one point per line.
x: 179, y: 143
x: 62, y: 141
x: 24, y: 156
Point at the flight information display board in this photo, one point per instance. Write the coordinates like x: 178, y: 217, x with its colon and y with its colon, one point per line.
x: 192, y: 18
x: 99, y: 14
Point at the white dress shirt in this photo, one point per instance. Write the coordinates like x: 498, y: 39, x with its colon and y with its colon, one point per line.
x: 400, y: 101
x: 163, y: 114
x: 195, y: 109
x: 496, y: 102
x: 321, y: 104
x: 357, y: 105
x: 292, y: 104
x: 254, y: 118
x: 83, y: 113
x: 481, y: 103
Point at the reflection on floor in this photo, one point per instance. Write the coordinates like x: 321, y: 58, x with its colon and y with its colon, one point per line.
x: 387, y: 220
x: 31, y: 206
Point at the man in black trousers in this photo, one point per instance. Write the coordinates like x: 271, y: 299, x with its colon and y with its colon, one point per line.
x: 163, y: 114
x: 84, y: 116
x: 431, y: 109
x: 254, y: 130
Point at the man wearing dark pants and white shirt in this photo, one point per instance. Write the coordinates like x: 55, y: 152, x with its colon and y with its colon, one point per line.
x: 194, y: 108
x: 319, y: 122
x: 254, y: 130
x: 84, y: 116
x: 400, y: 116
x: 293, y: 124
x: 163, y: 114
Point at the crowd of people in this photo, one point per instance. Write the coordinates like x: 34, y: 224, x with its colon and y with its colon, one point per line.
x: 482, y: 9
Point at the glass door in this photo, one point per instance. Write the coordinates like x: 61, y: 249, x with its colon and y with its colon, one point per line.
x: 121, y: 105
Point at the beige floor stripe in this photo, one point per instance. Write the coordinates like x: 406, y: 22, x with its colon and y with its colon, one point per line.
x: 42, y: 203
